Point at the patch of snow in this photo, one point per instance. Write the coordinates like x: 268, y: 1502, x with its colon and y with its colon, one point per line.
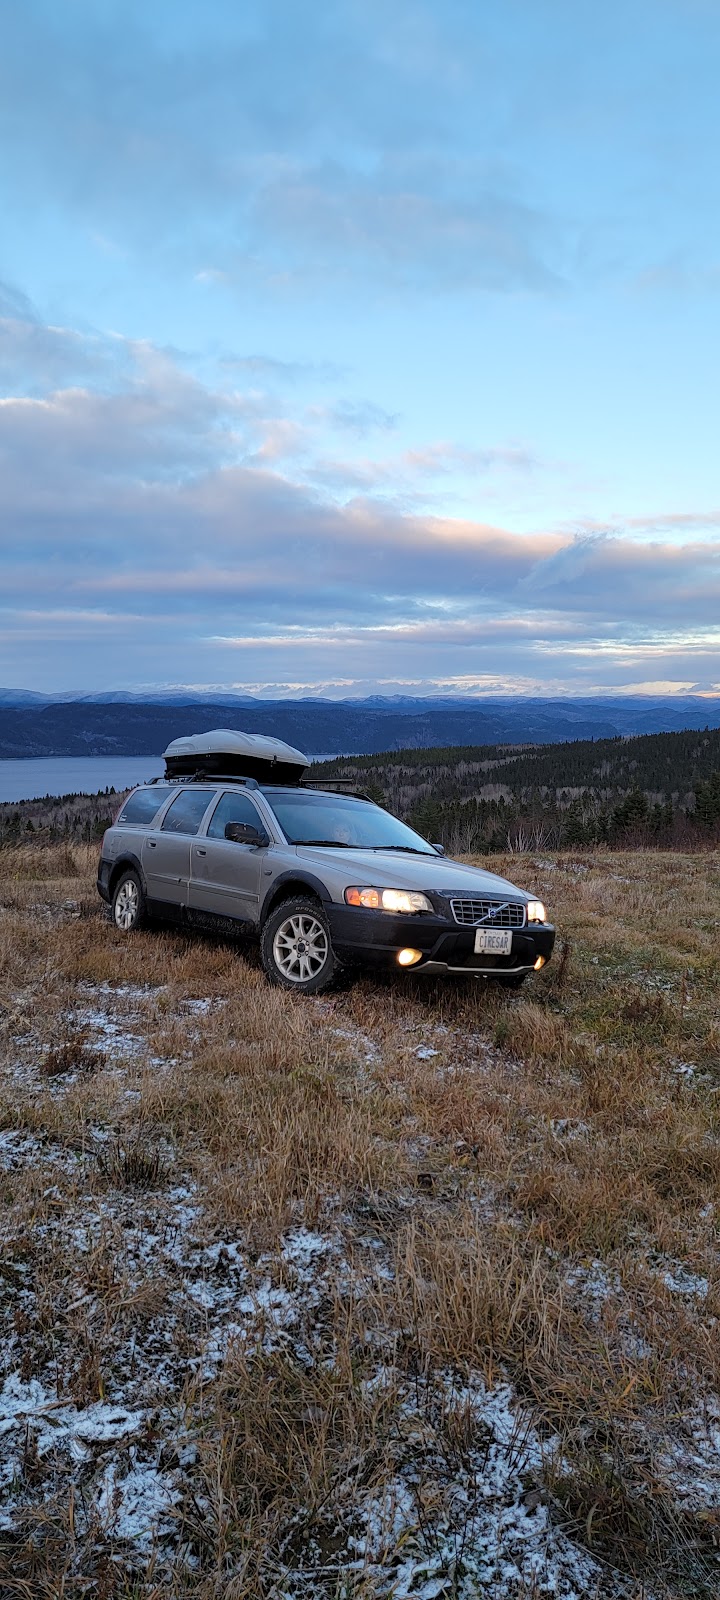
x: 25, y: 1150
x: 135, y: 1506
x: 568, y: 1128
x: 122, y: 991
x: 680, y: 1281
x: 16, y: 1148
x: 200, y: 1008
x: 304, y: 1249
x: 425, y: 1052
x: 459, y: 1522
x: 222, y: 1253
x: 362, y: 1041
x: 27, y: 1405
x: 690, y: 1464
x: 111, y: 1038
x: 273, y: 1305
x: 597, y: 1282
x: 594, y: 1280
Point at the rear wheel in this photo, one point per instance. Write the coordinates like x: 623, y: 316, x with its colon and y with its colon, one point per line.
x: 296, y: 947
x: 128, y: 905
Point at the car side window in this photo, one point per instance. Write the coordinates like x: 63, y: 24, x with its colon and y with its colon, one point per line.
x: 143, y: 805
x: 233, y: 808
x: 187, y: 811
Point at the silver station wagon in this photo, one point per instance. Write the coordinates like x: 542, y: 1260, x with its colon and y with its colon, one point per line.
x: 325, y: 878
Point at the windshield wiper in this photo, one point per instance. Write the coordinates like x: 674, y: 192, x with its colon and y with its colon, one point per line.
x: 341, y: 844
x: 409, y: 849
x: 337, y: 844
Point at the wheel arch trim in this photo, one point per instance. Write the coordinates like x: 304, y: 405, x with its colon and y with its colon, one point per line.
x: 291, y: 880
x: 127, y: 859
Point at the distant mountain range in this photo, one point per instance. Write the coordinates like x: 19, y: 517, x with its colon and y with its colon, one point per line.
x: 120, y: 724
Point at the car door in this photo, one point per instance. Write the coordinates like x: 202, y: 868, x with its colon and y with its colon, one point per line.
x: 166, y: 850
x: 225, y: 876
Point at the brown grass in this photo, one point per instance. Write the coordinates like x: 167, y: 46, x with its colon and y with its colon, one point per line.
x: 567, y: 1131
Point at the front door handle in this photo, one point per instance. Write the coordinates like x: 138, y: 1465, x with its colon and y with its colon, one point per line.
x: 151, y: 844
x: 200, y: 852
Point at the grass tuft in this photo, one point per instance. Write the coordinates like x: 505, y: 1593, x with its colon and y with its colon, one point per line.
x: 133, y: 1163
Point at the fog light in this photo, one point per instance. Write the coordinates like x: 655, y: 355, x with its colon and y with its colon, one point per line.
x: 539, y: 963
x: 408, y: 958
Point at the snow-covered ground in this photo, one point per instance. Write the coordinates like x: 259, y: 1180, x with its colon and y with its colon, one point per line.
x: 132, y: 1455
x: 476, y: 1519
x: 187, y: 1302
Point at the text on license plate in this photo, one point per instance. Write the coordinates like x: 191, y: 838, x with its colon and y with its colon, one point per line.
x: 493, y: 941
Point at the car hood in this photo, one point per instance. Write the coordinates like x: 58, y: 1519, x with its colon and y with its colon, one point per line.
x: 388, y: 869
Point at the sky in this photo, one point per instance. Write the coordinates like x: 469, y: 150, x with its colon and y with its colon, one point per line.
x: 352, y: 347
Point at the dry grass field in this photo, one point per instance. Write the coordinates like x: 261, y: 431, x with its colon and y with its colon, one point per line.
x: 407, y: 1291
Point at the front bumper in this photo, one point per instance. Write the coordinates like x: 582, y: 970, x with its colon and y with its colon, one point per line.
x: 373, y: 938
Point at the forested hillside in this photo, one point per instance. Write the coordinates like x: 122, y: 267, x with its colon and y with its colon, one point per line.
x: 662, y: 788
x: 117, y: 729
x: 114, y: 727
x: 655, y: 789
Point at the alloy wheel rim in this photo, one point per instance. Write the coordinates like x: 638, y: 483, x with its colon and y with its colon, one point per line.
x: 126, y: 905
x: 300, y: 948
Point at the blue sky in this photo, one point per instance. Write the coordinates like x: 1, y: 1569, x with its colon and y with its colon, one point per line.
x: 353, y: 346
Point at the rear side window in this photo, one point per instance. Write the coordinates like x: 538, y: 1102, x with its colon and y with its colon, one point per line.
x: 187, y: 811
x: 143, y: 805
x: 233, y: 808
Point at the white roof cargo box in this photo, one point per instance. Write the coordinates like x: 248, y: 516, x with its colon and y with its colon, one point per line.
x: 226, y: 753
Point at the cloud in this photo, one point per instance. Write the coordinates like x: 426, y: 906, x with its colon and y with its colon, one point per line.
x: 183, y: 521
x: 565, y: 566
x: 445, y: 457
x: 409, y: 470
x: 267, y: 144
x: 359, y: 417
x: 35, y: 356
x: 275, y: 371
x: 14, y: 304
x: 405, y: 224
x: 416, y: 145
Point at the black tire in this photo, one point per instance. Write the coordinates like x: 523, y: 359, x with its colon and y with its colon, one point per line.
x: 295, y: 924
x: 129, y: 909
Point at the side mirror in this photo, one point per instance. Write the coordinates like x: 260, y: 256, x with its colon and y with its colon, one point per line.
x: 245, y: 833
x: 438, y: 848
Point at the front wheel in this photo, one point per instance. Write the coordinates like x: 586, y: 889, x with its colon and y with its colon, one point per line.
x: 296, y: 947
x: 128, y: 905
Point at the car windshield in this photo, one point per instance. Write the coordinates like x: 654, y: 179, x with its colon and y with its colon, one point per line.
x: 337, y: 819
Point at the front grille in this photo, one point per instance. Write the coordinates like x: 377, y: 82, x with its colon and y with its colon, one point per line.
x: 488, y: 913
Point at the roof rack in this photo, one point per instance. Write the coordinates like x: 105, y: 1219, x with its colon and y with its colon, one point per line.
x: 208, y: 777
x: 328, y: 785
x: 336, y: 785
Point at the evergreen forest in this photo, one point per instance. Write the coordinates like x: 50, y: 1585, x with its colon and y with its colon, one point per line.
x: 660, y: 788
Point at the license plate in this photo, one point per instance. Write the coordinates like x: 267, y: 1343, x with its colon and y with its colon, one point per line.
x: 493, y: 941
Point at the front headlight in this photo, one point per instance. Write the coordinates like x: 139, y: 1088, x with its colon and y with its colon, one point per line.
x: 388, y: 899
x: 536, y: 911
